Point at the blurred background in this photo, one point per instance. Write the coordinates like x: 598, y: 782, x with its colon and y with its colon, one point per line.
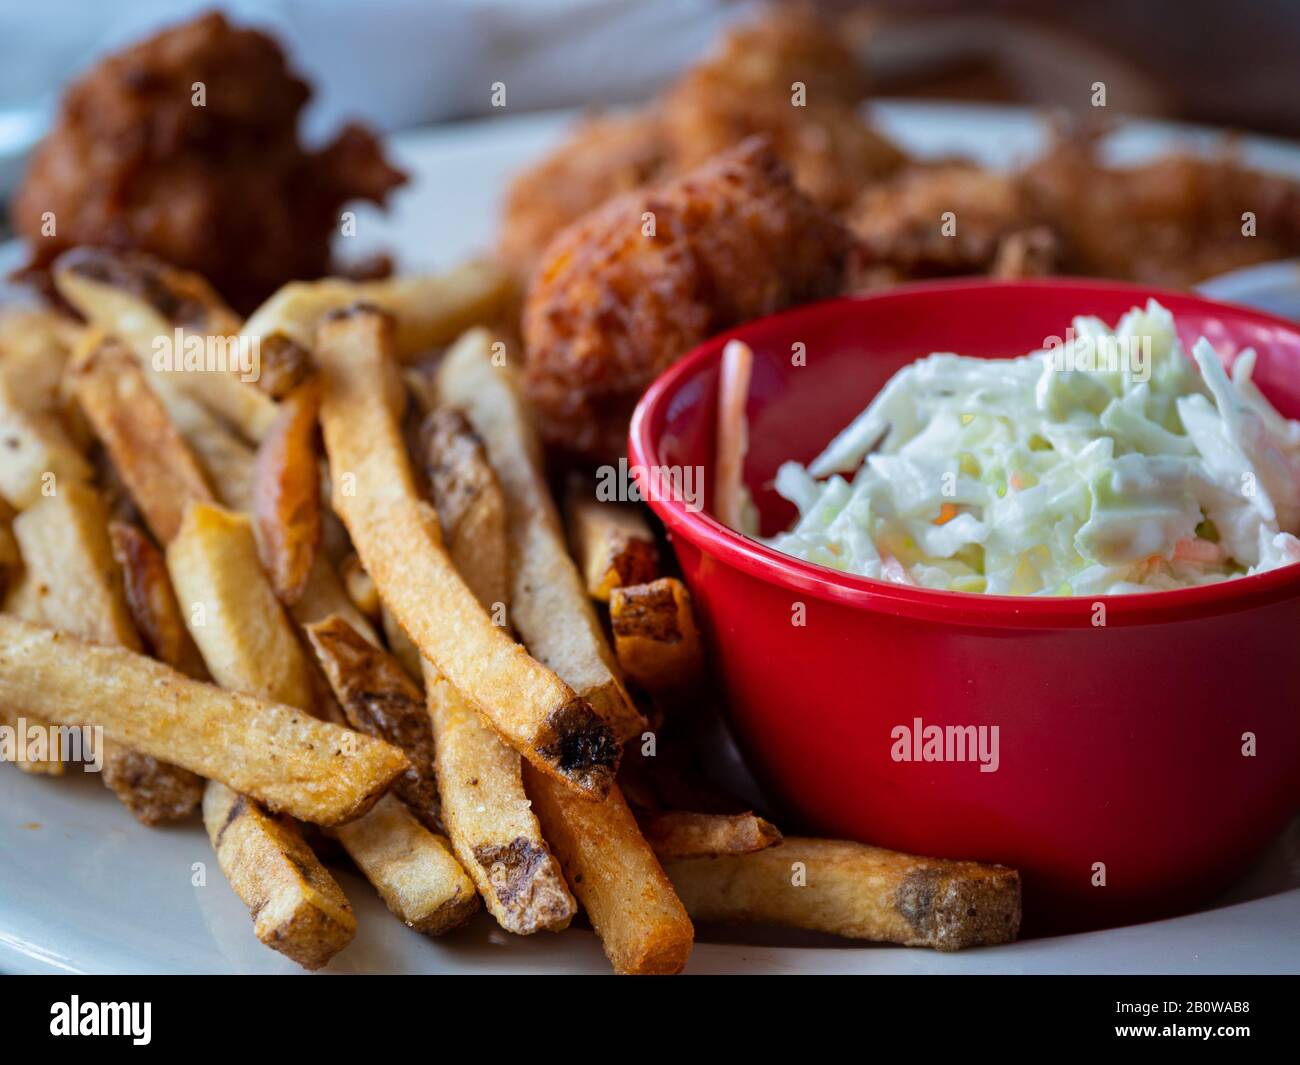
x: 404, y: 63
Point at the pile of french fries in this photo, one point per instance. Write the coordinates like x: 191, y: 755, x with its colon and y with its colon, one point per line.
x: 385, y: 633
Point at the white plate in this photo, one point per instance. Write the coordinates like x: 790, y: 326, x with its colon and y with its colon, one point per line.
x: 83, y: 888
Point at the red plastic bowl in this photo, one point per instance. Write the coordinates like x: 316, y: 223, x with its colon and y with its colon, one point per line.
x: 1121, y: 745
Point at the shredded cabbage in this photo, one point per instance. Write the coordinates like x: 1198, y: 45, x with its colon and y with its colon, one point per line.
x: 1101, y: 464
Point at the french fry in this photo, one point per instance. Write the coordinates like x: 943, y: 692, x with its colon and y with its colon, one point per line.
x: 674, y: 834
x: 413, y: 869
x: 480, y: 779
x: 147, y: 303
x: 65, y: 543
x: 655, y: 636
x: 549, y: 606
x: 430, y: 310
x: 292, y: 763
x: 397, y: 537
x: 286, y: 495
x: 22, y: 600
x: 34, y: 347
x: 632, y: 906
x: 611, y: 541
x: 324, y: 595
x: 379, y: 698
x: 10, y: 560
x: 360, y: 588
x: 853, y: 890
x: 241, y: 630
x: 297, y: 907
x: 152, y: 601
x: 223, y: 455
x: 36, y: 453
x: 249, y: 646
x: 133, y: 425
x: 471, y: 506
x: 488, y: 817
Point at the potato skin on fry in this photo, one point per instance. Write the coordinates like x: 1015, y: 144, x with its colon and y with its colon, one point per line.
x: 655, y: 635
x: 152, y: 601
x: 286, y: 493
x: 398, y: 539
x: 471, y: 508
x: 857, y: 891
x: 297, y: 907
x: 492, y: 828
x: 678, y: 834
x: 379, y: 698
x: 65, y: 542
x: 129, y: 418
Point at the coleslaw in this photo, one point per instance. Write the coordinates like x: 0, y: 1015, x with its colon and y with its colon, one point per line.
x: 1104, y: 463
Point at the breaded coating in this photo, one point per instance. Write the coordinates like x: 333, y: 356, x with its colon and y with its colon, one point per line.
x: 186, y: 146
x: 1173, y: 221
x: 750, y: 87
x: 603, y: 157
x: 948, y: 219
x: 632, y: 287
x: 746, y: 89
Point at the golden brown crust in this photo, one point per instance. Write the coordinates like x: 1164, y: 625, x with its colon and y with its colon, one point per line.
x: 225, y: 188
x: 681, y: 834
x: 855, y: 890
x: 158, y: 468
x: 286, y: 494
x: 379, y: 698
x: 627, y: 290
x: 641, y: 923
x: 655, y: 635
x: 297, y: 907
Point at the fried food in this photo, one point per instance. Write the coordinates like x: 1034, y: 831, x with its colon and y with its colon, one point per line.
x: 212, y: 179
x: 285, y: 759
x: 397, y: 537
x: 152, y: 600
x: 297, y: 907
x: 611, y: 541
x: 180, y: 330
x: 130, y: 420
x: 641, y: 923
x: 240, y: 627
x: 604, y: 156
x: 857, y: 891
x: 549, y: 606
x: 655, y: 635
x: 676, y: 834
x: 430, y: 310
x: 949, y: 219
x: 286, y: 493
x: 1173, y: 221
x: 792, y: 79
x: 65, y: 544
x: 378, y: 698
x: 493, y: 829
x: 411, y: 868
x: 471, y: 507
x: 630, y: 288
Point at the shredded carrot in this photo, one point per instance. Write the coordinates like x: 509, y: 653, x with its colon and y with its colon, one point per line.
x: 1017, y: 482
x: 946, y: 513
x: 733, y: 436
